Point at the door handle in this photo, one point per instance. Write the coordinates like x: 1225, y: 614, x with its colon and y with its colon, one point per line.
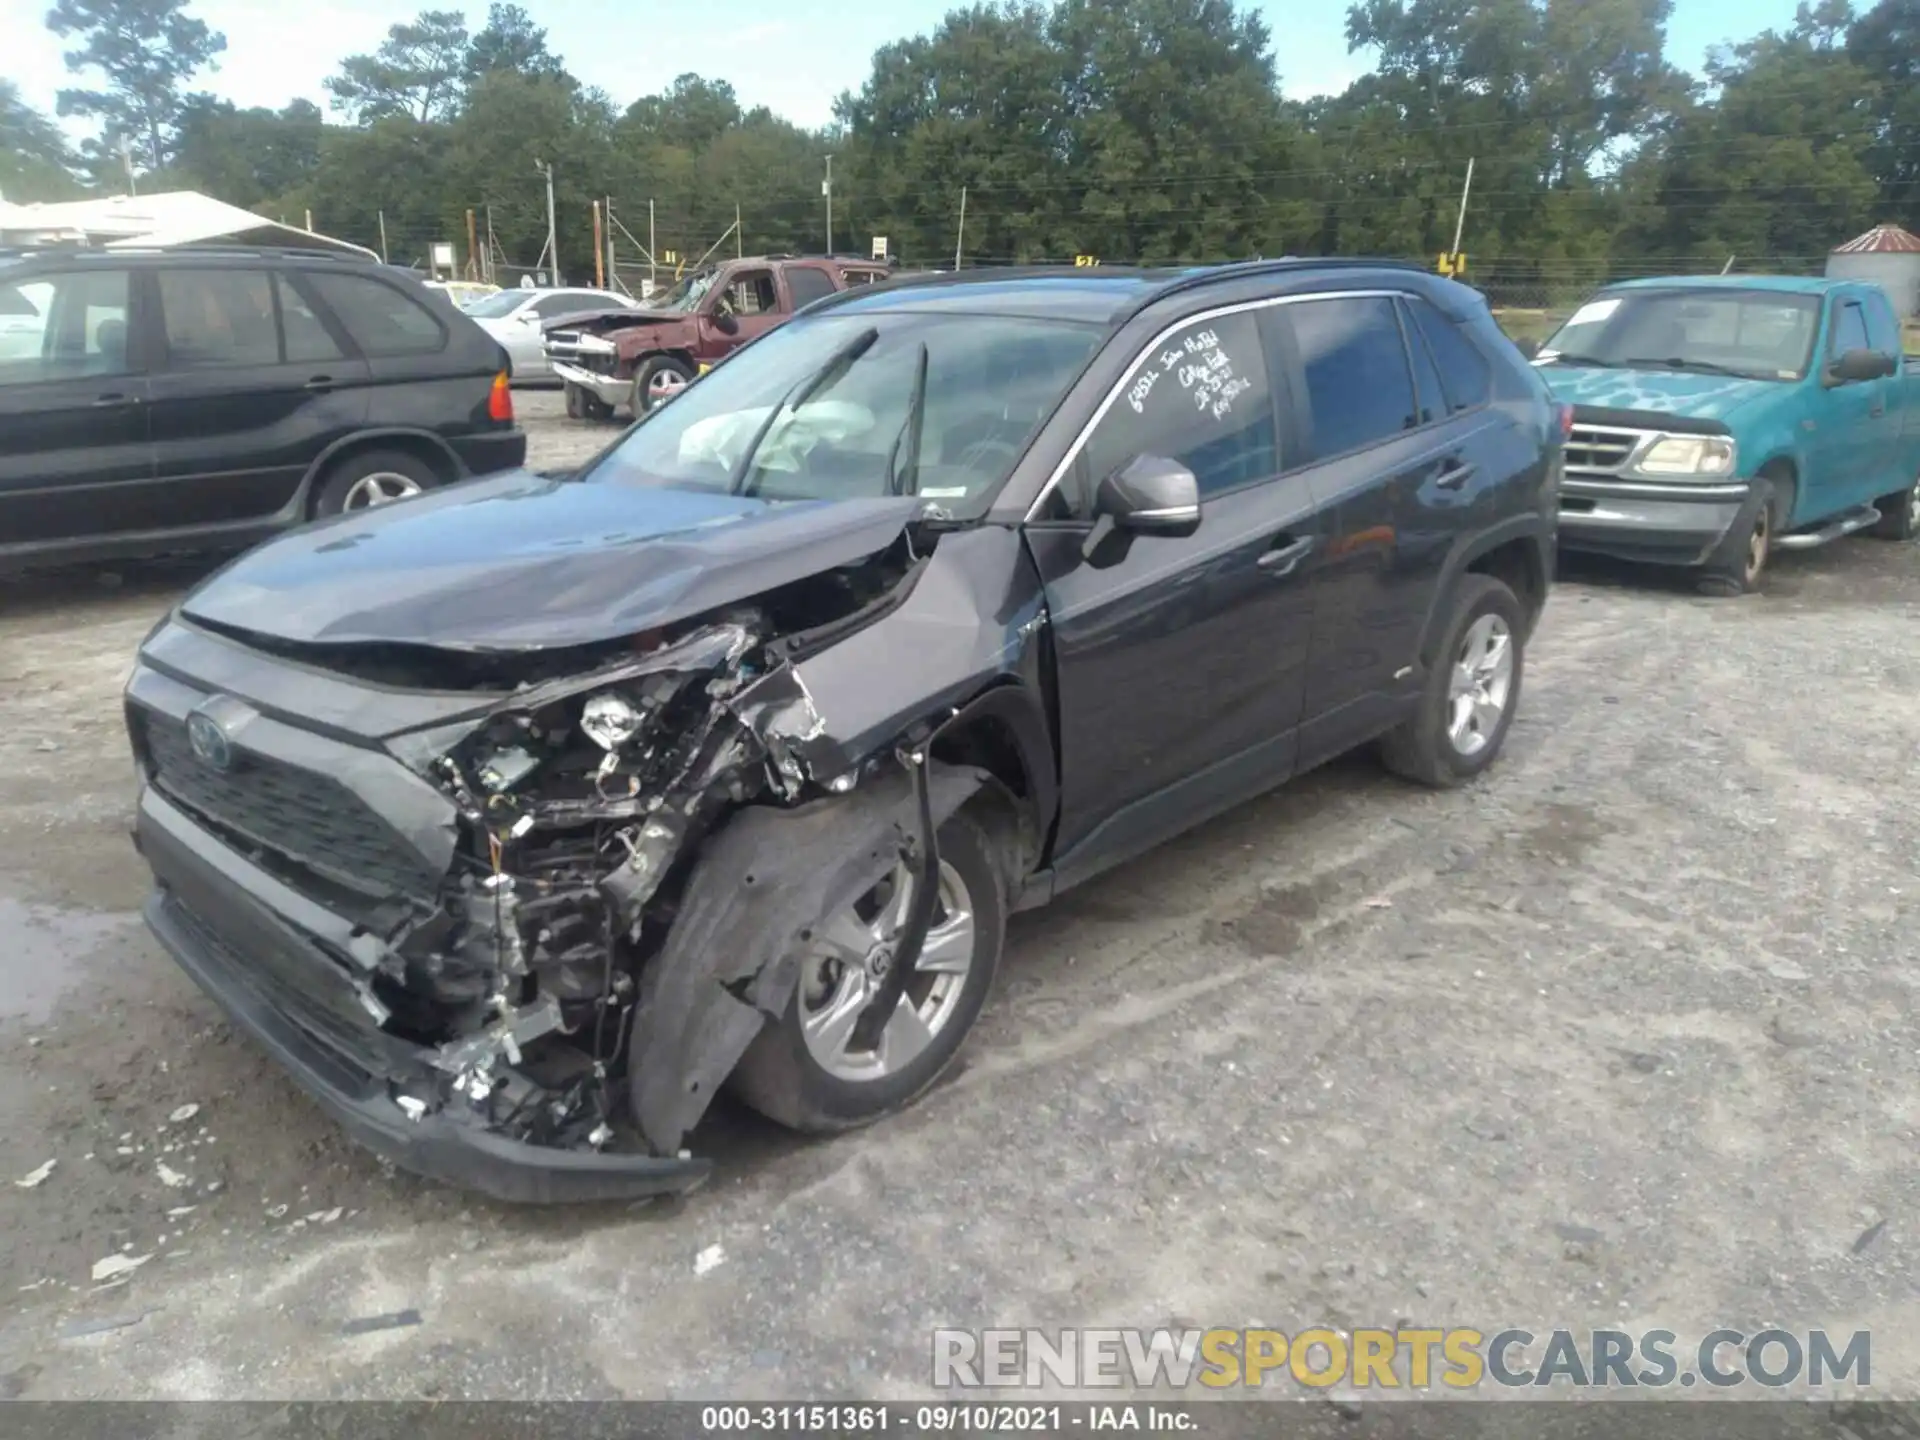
x: 1878, y: 409
x: 1284, y: 556
x: 1453, y: 475
x: 320, y: 382
x: 114, y: 397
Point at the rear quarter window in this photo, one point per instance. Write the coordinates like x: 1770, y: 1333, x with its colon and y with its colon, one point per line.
x: 382, y: 319
x: 1465, y: 372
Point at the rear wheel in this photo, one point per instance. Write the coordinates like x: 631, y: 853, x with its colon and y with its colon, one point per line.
x: 372, y: 478
x: 574, y: 396
x: 658, y: 380
x: 1471, y: 692
x: 1899, y: 514
x: 833, y: 1061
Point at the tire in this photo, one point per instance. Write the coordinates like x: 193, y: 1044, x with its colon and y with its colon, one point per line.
x: 1428, y: 748
x: 574, y: 396
x: 1899, y: 514
x: 655, y: 371
x: 781, y: 1075
x: 1737, y: 566
x: 348, y: 485
x: 592, y: 407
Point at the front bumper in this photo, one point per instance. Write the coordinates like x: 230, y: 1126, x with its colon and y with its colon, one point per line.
x: 268, y: 955
x: 493, y: 451
x: 1668, y: 524
x: 607, y: 389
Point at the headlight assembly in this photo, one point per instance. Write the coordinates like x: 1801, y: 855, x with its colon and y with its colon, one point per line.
x: 1686, y: 456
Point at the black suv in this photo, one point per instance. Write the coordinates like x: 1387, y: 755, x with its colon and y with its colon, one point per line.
x: 205, y: 398
x: 520, y: 819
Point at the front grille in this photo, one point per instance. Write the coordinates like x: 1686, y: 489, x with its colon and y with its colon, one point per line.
x: 300, y: 815
x: 1597, y: 450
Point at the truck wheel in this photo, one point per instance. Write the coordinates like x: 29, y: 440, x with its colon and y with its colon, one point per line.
x: 574, y: 395
x: 658, y: 380
x: 1471, y: 691
x: 819, y: 1067
x: 592, y: 407
x: 1899, y: 514
x: 1736, y: 567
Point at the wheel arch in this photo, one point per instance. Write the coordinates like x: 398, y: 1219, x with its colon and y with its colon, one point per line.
x: 1782, y: 467
x: 1004, y: 732
x: 1519, y: 553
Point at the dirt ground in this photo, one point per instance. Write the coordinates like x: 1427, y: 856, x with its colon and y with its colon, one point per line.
x: 1623, y: 1035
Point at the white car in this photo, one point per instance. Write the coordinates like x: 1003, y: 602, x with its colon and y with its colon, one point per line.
x: 514, y: 318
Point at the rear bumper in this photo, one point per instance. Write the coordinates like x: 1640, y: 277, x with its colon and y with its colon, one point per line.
x: 1664, y: 524
x: 496, y: 450
x: 607, y: 389
x: 276, y: 963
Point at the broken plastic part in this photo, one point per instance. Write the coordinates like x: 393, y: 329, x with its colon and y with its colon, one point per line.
x: 609, y: 721
x: 505, y: 769
x: 477, y: 1052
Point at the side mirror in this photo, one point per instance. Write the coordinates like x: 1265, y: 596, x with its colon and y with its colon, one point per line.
x: 1854, y: 366
x: 723, y: 318
x: 1150, y: 495
x: 1528, y: 347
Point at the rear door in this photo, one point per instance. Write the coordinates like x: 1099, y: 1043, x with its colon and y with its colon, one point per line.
x: 75, y: 459
x: 251, y: 388
x: 1391, y: 457
x: 1180, y: 662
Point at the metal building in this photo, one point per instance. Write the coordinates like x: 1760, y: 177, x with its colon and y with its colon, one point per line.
x: 1887, y: 256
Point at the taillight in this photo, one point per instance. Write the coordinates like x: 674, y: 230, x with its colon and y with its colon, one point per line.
x: 500, y: 400
x: 1566, y: 423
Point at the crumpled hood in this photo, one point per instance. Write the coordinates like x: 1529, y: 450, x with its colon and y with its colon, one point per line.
x: 1662, y: 392
x: 518, y: 562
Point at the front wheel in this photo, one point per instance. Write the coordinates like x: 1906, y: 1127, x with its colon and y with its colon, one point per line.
x: 658, y: 380
x: 1736, y: 566
x: 832, y: 1061
x: 1471, y: 693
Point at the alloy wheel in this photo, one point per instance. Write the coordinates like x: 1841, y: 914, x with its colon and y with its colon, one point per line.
x: 850, y: 959
x: 1481, y: 684
x: 382, y: 487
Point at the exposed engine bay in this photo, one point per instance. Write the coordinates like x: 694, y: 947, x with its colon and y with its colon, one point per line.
x: 584, y: 799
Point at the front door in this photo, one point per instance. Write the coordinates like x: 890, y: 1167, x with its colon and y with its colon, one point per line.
x: 74, y: 453
x: 241, y: 410
x: 745, y: 308
x: 1852, y: 422
x: 1180, y: 661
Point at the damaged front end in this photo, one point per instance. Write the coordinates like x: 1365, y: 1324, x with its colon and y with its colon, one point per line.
x: 596, y: 878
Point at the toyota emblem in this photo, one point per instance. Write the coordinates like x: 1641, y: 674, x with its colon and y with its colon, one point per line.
x: 209, y: 741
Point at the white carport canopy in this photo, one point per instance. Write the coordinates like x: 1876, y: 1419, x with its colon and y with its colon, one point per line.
x: 178, y: 217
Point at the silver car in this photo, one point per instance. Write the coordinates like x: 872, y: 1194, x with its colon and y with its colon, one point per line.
x: 514, y: 318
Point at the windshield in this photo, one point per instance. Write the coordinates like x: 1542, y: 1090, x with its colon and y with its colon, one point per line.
x: 1759, y: 334
x: 497, y: 306
x: 844, y: 406
x: 686, y: 293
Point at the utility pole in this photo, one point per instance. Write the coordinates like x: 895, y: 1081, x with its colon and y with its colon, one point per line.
x: 126, y: 159
x: 553, y: 243
x: 473, y: 248
x: 652, y: 251
x: 960, y: 241
x: 383, y: 235
x: 826, y: 189
x: 739, y: 242
x: 1460, y: 225
x: 599, y: 251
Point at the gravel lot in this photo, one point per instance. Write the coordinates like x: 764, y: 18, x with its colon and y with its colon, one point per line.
x: 1622, y: 1036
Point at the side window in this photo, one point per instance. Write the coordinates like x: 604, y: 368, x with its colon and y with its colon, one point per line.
x: 1849, y: 330
x: 304, y: 336
x: 63, y: 327
x: 1464, y: 371
x: 1883, y: 331
x: 218, y: 319
x: 752, y: 293
x: 809, y: 283
x: 1200, y: 397
x: 567, y: 302
x: 381, y: 318
x: 1359, y: 389
x: 1431, y: 393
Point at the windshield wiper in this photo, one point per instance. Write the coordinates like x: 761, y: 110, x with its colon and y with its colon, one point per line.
x: 837, y: 364
x: 1677, y: 362
x: 907, y: 481
x: 1567, y: 357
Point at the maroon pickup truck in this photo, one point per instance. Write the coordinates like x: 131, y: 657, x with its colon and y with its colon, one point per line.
x: 639, y: 358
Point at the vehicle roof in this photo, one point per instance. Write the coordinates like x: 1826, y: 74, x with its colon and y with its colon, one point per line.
x: 1106, y: 295
x: 95, y: 255
x: 1783, y: 284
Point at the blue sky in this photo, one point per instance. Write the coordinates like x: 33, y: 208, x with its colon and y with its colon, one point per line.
x: 774, y: 52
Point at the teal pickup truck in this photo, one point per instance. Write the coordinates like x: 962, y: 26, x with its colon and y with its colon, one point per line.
x: 1717, y: 419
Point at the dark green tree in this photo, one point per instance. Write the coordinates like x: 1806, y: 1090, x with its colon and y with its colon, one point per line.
x: 418, y: 71
x: 34, y: 158
x: 145, y: 51
x: 511, y: 41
